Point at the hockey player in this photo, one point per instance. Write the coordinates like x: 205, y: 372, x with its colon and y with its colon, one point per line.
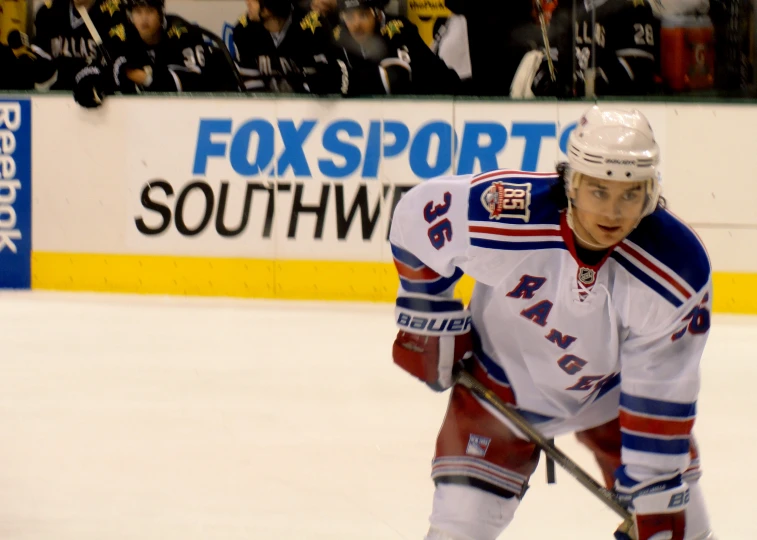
x: 168, y: 54
x: 280, y: 48
x: 328, y: 11
x: 160, y: 53
x: 624, y: 37
x: 612, y: 50
x: 590, y: 313
x: 61, y: 35
x: 386, y: 55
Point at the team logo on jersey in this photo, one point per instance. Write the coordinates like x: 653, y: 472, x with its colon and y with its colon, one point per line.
x: 177, y: 30
x: 311, y: 21
x: 118, y: 31
x: 111, y: 6
x: 586, y: 275
x: 477, y: 445
x: 392, y: 28
x: 508, y: 201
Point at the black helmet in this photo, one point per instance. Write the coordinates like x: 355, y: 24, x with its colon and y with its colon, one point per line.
x: 279, y: 8
x: 160, y: 5
x: 344, y: 5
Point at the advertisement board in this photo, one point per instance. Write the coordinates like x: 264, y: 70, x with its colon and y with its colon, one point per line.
x: 293, y: 198
x: 15, y: 193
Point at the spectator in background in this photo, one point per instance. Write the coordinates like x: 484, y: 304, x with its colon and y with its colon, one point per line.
x: 162, y: 53
x: 63, y: 38
x: 281, y: 48
x: 381, y: 55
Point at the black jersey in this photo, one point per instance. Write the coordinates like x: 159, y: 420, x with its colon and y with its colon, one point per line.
x: 611, y: 44
x: 179, y: 62
x: 398, y: 38
x: 62, y: 36
x: 14, y: 75
x: 294, y: 60
x: 619, y: 41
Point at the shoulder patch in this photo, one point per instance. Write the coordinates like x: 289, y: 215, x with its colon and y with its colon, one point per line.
x: 118, y: 31
x: 110, y: 6
x: 177, y: 30
x: 392, y: 28
x: 507, y: 200
x: 311, y: 21
x: 513, y: 197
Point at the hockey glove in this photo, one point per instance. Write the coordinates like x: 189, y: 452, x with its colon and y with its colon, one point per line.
x: 522, y: 84
x: 89, y: 91
x: 396, y: 76
x: 434, y: 335
x: 658, y: 505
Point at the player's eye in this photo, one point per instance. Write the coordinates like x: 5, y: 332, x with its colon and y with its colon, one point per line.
x: 630, y: 195
x: 600, y: 194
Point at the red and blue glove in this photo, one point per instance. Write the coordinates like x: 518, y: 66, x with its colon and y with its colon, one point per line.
x: 434, y: 335
x: 658, y: 505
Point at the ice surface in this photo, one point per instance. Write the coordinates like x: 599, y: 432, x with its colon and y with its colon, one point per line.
x: 126, y: 417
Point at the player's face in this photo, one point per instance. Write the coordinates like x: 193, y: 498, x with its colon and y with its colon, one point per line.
x: 147, y: 20
x: 253, y: 10
x: 360, y: 22
x: 324, y: 7
x: 605, y: 212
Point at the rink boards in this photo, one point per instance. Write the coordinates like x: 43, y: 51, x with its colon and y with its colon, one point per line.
x: 293, y: 198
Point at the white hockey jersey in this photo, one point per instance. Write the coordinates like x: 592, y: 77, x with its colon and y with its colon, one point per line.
x: 578, y: 345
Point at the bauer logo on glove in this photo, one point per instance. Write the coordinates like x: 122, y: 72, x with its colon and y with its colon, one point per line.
x: 432, y: 326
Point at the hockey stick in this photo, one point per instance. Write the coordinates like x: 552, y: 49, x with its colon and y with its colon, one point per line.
x: 545, y: 37
x: 550, y: 466
x: 98, y: 43
x: 94, y: 33
x: 511, y: 413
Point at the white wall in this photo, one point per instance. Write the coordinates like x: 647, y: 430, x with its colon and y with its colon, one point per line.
x: 90, y: 204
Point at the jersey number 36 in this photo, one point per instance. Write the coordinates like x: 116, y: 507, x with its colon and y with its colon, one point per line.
x: 440, y: 231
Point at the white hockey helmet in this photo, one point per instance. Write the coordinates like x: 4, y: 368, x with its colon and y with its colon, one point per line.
x: 617, y: 145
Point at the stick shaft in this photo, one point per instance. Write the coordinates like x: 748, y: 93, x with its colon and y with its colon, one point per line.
x: 545, y: 38
x: 94, y: 33
x: 509, y: 412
